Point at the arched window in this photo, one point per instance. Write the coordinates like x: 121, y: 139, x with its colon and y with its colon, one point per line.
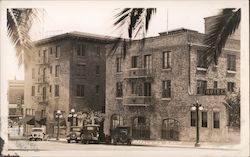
x: 170, y: 129
x: 116, y: 120
x: 141, y: 128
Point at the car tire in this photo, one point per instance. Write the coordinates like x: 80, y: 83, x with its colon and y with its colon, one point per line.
x: 68, y: 141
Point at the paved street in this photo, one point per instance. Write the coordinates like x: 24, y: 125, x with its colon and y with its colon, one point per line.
x: 62, y: 148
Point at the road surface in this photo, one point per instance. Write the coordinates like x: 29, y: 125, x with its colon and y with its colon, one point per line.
x: 63, y: 149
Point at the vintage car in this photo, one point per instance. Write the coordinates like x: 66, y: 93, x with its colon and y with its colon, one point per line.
x: 74, y: 134
x: 37, y: 134
x: 121, y: 135
x: 90, y: 134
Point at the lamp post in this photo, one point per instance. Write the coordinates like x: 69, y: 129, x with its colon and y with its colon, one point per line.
x: 58, y: 116
x: 196, y: 107
x: 72, y: 116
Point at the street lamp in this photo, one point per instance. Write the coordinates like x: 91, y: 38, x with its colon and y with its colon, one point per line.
x: 58, y: 116
x: 196, y: 107
x: 72, y: 116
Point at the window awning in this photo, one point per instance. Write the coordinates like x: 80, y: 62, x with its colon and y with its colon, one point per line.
x: 27, y: 120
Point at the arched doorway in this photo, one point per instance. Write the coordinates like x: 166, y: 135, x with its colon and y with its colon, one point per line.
x: 170, y: 129
x: 141, y: 128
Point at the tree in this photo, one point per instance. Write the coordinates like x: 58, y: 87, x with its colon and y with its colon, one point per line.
x: 226, y: 22
x: 224, y: 25
x: 232, y: 103
x: 19, y: 23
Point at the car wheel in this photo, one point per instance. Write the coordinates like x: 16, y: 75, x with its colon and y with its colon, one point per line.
x: 77, y: 141
x: 68, y: 141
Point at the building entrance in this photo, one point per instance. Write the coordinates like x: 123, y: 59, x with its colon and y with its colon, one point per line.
x: 141, y: 128
x: 170, y: 129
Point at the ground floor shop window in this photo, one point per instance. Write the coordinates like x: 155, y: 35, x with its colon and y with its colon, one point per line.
x: 170, y: 129
x: 141, y: 128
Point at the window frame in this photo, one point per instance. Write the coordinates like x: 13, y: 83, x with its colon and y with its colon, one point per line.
x: 166, y: 60
x: 57, y: 90
x: 119, y: 89
x: 166, y: 89
x: 58, y: 52
x: 80, y: 90
x: 215, y: 124
x: 204, y: 121
x: 231, y: 62
x: 135, y: 62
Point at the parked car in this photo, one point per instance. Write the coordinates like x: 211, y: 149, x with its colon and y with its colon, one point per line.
x: 74, y: 134
x: 90, y: 134
x: 120, y: 135
x: 37, y: 134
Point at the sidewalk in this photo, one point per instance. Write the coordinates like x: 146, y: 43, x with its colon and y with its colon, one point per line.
x: 184, y: 144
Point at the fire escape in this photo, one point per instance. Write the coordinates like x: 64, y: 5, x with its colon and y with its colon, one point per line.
x: 42, y: 79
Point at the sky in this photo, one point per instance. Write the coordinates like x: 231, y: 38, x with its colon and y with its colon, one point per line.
x: 97, y: 17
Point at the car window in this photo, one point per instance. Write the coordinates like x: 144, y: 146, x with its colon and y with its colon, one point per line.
x: 37, y: 130
x: 90, y: 128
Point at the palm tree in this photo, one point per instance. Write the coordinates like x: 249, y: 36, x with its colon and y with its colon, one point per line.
x: 19, y: 23
x: 132, y: 21
x: 224, y: 25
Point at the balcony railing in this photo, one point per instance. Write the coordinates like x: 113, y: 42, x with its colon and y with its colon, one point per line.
x: 137, y: 101
x: 138, y: 73
x: 215, y: 91
x: 41, y: 80
x: 41, y: 99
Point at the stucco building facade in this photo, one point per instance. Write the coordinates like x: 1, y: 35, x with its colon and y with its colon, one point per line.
x: 66, y: 72
x: 153, y: 88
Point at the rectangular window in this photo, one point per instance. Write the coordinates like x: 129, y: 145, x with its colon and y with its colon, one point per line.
x: 51, y: 51
x: 81, y: 70
x: 134, y: 61
x: 50, y: 88
x: 56, y: 90
x: 193, y: 118
x: 230, y: 86
x: 148, y: 62
x: 57, y: 70
x: 119, y: 89
x: 58, y: 51
x: 98, y: 51
x: 201, y: 59
x: 97, y: 88
x: 201, y: 87
x: 78, y: 50
x: 147, y: 89
x: 118, y: 64
x: 215, y: 84
x: 50, y: 69
x: 33, y: 91
x: 33, y: 73
x: 80, y: 90
x: 216, y: 119
x: 97, y: 70
x: 204, y: 119
x: 231, y: 62
x: 166, y: 60
x: 166, y: 92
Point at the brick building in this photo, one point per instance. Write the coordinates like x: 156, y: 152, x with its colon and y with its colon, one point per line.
x: 153, y: 88
x: 66, y: 72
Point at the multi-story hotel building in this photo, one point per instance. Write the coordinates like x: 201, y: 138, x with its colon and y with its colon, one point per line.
x: 153, y: 88
x: 66, y: 72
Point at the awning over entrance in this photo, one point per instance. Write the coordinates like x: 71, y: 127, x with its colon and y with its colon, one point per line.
x: 42, y: 121
x: 27, y: 120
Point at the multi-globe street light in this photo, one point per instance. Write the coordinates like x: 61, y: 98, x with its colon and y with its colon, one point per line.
x: 58, y: 116
x: 197, y: 107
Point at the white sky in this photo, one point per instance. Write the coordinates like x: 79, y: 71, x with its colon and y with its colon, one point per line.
x: 97, y: 17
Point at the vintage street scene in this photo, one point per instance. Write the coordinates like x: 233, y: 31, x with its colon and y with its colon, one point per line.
x: 107, y: 79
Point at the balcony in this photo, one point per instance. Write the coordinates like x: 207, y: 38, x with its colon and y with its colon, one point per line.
x: 216, y: 91
x: 41, y: 99
x: 42, y: 61
x: 138, y: 73
x: 137, y: 101
x: 41, y: 80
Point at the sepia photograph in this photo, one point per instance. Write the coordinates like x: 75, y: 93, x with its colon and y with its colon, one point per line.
x: 124, y: 78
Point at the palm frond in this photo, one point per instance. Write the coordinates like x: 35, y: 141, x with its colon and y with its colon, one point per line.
x: 19, y: 23
x: 224, y: 25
